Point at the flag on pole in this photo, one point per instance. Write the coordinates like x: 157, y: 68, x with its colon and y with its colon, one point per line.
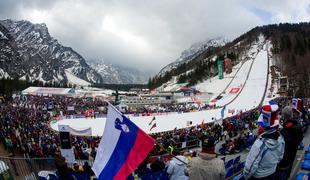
x: 152, y: 121
x: 122, y: 148
x: 154, y: 125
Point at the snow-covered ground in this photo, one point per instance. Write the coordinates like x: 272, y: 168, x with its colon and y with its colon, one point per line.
x: 75, y: 80
x: 254, y: 88
x: 247, y: 98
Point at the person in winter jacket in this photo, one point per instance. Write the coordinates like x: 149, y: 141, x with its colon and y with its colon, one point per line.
x: 268, y: 149
x: 293, y: 134
x: 77, y: 172
x: 205, y: 166
x: 176, y: 167
x: 157, y: 171
x: 61, y: 165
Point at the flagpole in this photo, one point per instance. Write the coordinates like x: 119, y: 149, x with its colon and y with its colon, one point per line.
x: 157, y: 142
x: 161, y: 146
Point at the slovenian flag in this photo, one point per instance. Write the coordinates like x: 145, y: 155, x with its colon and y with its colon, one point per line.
x: 122, y: 148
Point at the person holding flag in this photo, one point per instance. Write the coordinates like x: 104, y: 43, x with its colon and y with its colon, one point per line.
x: 120, y: 150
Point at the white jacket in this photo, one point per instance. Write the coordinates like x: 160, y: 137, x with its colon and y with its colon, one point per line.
x: 176, y: 168
x: 264, y: 156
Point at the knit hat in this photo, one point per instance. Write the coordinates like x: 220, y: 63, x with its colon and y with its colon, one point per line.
x: 269, y: 115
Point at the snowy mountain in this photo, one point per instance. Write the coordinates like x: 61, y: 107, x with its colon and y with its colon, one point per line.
x: 191, y: 53
x: 29, y: 52
x: 34, y: 55
x: 113, y: 74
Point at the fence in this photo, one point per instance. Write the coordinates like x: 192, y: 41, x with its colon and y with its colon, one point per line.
x: 188, y: 145
x: 24, y: 168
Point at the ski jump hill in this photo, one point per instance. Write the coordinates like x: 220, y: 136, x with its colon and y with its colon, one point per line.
x: 246, y: 89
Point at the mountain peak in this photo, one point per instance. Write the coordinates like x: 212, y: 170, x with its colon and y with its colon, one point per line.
x: 41, y: 57
x: 193, y: 51
x: 115, y: 74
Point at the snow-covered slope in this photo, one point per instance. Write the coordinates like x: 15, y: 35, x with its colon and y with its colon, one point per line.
x: 252, y: 94
x: 195, y: 50
x: 72, y: 79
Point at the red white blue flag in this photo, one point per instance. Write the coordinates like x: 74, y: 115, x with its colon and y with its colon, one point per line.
x: 122, y: 148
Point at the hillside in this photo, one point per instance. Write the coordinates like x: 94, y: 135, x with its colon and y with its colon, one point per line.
x: 290, y: 51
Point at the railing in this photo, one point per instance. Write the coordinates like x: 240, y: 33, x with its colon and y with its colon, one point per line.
x: 180, y: 147
x: 24, y: 168
x: 188, y: 145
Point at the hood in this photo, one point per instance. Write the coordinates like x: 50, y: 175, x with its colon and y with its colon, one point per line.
x: 273, y: 144
x: 178, y: 162
x: 273, y: 138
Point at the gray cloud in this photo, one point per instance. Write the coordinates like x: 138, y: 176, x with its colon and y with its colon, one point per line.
x: 148, y: 34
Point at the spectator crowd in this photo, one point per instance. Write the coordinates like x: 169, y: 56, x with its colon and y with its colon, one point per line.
x: 25, y: 129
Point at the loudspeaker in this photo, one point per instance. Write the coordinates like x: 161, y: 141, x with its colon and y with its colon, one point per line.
x: 65, y: 142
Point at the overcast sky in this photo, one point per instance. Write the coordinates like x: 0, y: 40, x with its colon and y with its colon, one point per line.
x: 149, y: 34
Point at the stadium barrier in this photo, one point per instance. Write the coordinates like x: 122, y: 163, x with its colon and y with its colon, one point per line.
x: 180, y: 147
x: 78, y: 116
x: 24, y: 168
x: 188, y: 145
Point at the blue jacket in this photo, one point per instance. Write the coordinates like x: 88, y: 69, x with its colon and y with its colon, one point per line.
x: 266, y: 152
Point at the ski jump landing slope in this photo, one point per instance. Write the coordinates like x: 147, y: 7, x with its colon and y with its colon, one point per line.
x: 252, y: 76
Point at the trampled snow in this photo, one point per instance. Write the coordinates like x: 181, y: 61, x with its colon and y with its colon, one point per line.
x: 249, y: 97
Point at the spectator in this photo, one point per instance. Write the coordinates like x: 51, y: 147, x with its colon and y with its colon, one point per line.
x: 205, y: 166
x: 87, y: 170
x: 142, y: 169
x: 231, y: 147
x: 61, y: 165
x: 157, y: 171
x: 293, y: 135
x: 176, y: 167
x: 268, y: 149
x: 93, y: 154
x: 77, y: 172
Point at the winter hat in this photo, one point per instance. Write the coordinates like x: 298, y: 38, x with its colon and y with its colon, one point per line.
x: 269, y: 115
x: 297, y: 104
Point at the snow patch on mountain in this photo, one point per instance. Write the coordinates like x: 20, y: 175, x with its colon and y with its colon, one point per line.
x: 72, y: 79
x: 113, y: 74
x: 194, y: 51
